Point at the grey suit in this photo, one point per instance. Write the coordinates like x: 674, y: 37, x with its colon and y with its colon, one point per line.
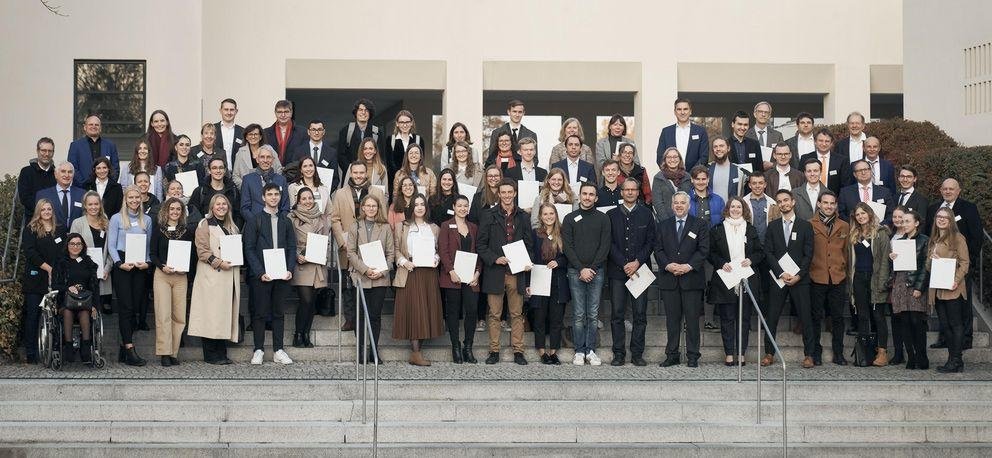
x: 772, y: 136
x: 793, y: 143
x: 662, y: 191
x: 603, y: 152
x: 805, y: 209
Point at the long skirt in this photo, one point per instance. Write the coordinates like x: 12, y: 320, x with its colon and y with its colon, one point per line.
x: 417, y: 313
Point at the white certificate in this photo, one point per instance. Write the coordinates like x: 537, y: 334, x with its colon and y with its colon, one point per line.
x: 878, y: 208
x: 905, y: 260
x: 640, y: 282
x: 516, y: 253
x: 788, y: 265
x: 189, y: 181
x: 316, y: 251
x: 179, y: 254
x: 575, y: 188
x: 766, y: 153
x: 527, y: 192
x: 737, y: 273
x: 942, y: 272
x: 373, y: 255
x: 382, y: 188
x: 423, y: 252
x: 275, y: 263
x: 465, y: 265
x: 606, y: 208
x: 134, y: 248
x: 469, y: 191
x: 540, y: 280
x: 422, y: 189
x: 231, y: 250
x: 326, y: 176
x: 563, y: 211
x: 96, y: 254
x: 746, y: 167
x: 778, y: 281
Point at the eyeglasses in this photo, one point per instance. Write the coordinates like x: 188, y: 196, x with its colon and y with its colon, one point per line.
x: 862, y: 170
x: 75, y: 243
x: 371, y: 206
x: 316, y: 129
x: 253, y: 134
x: 943, y: 217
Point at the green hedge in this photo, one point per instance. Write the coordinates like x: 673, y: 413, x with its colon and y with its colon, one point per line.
x: 11, y: 298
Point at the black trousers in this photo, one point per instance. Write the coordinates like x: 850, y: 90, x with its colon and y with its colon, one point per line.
x: 798, y: 296
x: 619, y: 298
x: 828, y: 298
x: 306, y: 309
x: 29, y: 326
x: 347, y: 297
x: 374, y: 298
x: 214, y: 349
x: 547, y: 319
x: 458, y: 302
x: 951, y: 314
x: 269, y: 296
x: 898, y: 333
x: 131, y: 291
x: 868, y: 311
x: 682, y: 304
x: 728, y: 327
x: 914, y: 331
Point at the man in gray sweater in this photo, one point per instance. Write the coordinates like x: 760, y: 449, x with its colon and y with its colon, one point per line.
x: 586, y: 243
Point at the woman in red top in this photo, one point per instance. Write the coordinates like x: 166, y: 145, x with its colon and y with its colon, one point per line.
x: 160, y: 137
x: 461, y: 294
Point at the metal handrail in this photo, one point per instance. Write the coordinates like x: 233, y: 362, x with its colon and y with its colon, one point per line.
x: 981, y: 269
x: 337, y: 267
x: 360, y: 295
x: 6, y: 245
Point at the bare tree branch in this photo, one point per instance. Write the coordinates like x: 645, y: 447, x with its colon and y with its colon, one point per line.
x: 55, y: 9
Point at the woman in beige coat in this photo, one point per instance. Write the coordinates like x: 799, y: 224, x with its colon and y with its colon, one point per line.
x: 947, y: 243
x: 370, y: 227
x: 307, y: 219
x: 213, y: 310
x: 417, y: 315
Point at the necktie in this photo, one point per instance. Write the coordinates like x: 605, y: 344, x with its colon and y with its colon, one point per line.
x: 864, y: 194
x: 787, y: 225
x: 947, y: 205
x: 65, y: 205
x: 902, y: 198
x: 315, y: 149
x: 761, y: 137
x: 678, y: 228
x: 824, y: 165
x: 514, y: 135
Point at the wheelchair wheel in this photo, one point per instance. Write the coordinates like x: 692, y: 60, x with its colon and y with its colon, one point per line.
x: 100, y: 362
x: 44, y: 341
x: 56, y: 361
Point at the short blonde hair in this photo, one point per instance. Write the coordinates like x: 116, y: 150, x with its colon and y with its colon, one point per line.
x: 561, y: 133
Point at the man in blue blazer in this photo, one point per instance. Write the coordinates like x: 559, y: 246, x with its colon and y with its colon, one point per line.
x: 690, y: 139
x: 294, y: 134
x: 252, y: 199
x: 320, y: 149
x: 66, y: 199
x: 682, y: 247
x: 84, y: 150
x: 851, y: 195
x: 883, y: 172
x: 577, y: 170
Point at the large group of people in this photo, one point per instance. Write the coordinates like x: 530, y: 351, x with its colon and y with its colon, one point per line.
x: 810, y: 222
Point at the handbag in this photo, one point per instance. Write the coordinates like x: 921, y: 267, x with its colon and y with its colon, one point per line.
x: 864, y: 349
x: 79, y: 301
x: 326, y: 302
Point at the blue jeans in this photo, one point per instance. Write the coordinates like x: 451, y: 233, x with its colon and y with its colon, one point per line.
x: 585, y: 308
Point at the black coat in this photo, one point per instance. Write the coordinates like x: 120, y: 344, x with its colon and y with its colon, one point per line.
x: 687, y: 250
x: 516, y: 174
x: 297, y: 135
x: 492, y: 237
x: 62, y: 279
x: 524, y: 132
x: 31, y: 180
x: 202, y: 195
x: 46, y: 249
x: 720, y: 255
x: 559, y: 275
x: 192, y: 165
x: 917, y: 279
x: 633, y: 237
x: 440, y: 208
x: 800, y: 249
x: 113, y: 196
x: 258, y: 236
x: 838, y: 173
x: 918, y: 203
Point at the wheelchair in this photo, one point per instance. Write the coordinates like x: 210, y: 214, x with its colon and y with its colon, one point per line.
x: 50, y: 343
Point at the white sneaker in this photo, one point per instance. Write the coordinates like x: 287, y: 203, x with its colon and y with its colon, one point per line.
x: 281, y: 357
x: 593, y: 359
x: 506, y: 326
x: 256, y: 358
x: 480, y: 326
x: 579, y: 359
x: 599, y: 324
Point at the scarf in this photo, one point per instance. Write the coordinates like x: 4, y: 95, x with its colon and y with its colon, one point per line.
x: 736, y: 231
x: 675, y: 176
x: 311, y: 217
x: 266, y: 175
x: 827, y: 220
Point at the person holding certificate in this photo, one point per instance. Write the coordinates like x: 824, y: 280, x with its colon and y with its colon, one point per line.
x: 214, y: 307
x: 92, y: 226
x: 946, y: 243
x: 310, y: 179
x: 129, y: 275
x: 909, y: 306
x: 461, y: 294
x: 586, y: 242
x: 43, y: 241
x: 184, y: 163
x: 868, y: 274
x: 371, y: 227
x: 171, y: 279
x: 418, y: 300
x: 441, y: 204
x: 308, y: 277
x: 270, y: 249
x: 555, y: 191
x: 549, y: 311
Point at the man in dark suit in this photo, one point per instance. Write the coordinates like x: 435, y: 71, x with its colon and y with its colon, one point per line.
x: 690, y: 139
x: 803, y: 142
x: 318, y: 148
x: 863, y: 190
x: 835, y: 170
x: 762, y: 131
x: 84, y: 151
x: 970, y: 226
x: 284, y: 134
x: 351, y: 135
x: 515, y: 110
x: 252, y: 197
x: 793, y: 236
x: 66, y: 199
x: 851, y: 148
x: 782, y: 175
x: 883, y: 173
x: 527, y: 168
x: 230, y: 134
x: 912, y: 198
x: 805, y: 196
x: 577, y: 170
x: 744, y: 150
x: 37, y: 175
x: 682, y: 248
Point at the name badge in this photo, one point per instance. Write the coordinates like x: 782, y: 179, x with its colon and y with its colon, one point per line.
x: 620, y: 202
x: 706, y: 212
x: 832, y: 172
x: 200, y: 154
x: 793, y: 236
x: 103, y: 234
x: 695, y: 137
x: 172, y: 228
x: 316, y: 196
x: 583, y: 179
x: 880, y: 182
x: 750, y: 156
x: 957, y: 217
x: 78, y: 204
x: 692, y: 235
x: 505, y: 160
x: 452, y: 226
x: 79, y: 259
x: 238, y: 141
x: 58, y: 240
x: 550, y: 238
x: 880, y: 201
x: 865, y: 243
x: 108, y: 157
x: 451, y: 212
x: 736, y: 180
x: 324, y: 162
x: 578, y: 218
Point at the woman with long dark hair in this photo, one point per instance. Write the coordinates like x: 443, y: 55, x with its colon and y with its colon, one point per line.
x: 160, y: 138
x: 947, y: 243
x: 75, y: 273
x: 909, y: 304
x: 441, y: 203
x: 418, y: 298
x: 461, y: 295
x: 109, y: 191
x: 308, y: 277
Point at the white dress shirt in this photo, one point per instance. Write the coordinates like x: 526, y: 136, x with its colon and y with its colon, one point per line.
x: 101, y: 186
x: 856, y: 152
x: 315, y: 156
x: 804, y: 144
x: 528, y: 173
x: 573, y: 170
x: 813, y: 193
x: 682, y: 139
x: 783, y: 178
x: 876, y: 173
x: 227, y: 139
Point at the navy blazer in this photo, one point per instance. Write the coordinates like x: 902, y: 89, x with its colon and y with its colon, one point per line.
x: 75, y: 202
x: 632, y: 237
x: 258, y: 236
x: 699, y: 145
x: 251, y: 194
x: 850, y: 196
x: 752, y: 155
x: 236, y: 144
x: 586, y: 170
x: 733, y: 181
x: 887, y: 174
x: 559, y: 275
x: 800, y: 248
x: 838, y: 173
x: 693, y: 249
x: 82, y: 159
x: 297, y: 135
x: 328, y: 158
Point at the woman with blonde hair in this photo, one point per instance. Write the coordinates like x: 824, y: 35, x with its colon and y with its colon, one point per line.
x: 570, y: 127
x: 143, y: 161
x: 555, y: 190
x: 129, y: 277
x: 458, y: 133
x: 947, y: 243
x: 213, y: 310
x: 169, y: 284
x: 208, y: 147
x: 43, y: 241
x: 549, y: 311
x: 670, y: 179
x: 368, y: 153
x: 413, y: 166
x: 92, y: 226
x: 868, y: 272
x: 371, y: 226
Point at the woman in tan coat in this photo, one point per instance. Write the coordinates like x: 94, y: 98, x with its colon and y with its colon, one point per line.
x: 213, y: 310
x: 307, y: 218
x: 418, y: 297
x: 370, y: 227
x: 947, y: 243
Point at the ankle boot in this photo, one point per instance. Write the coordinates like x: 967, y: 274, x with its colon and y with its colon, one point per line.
x: 467, y: 355
x: 456, y: 353
x: 297, y: 340
x: 306, y: 340
x: 418, y: 360
x: 85, y: 347
x: 131, y: 357
x: 881, y: 359
x: 68, y: 352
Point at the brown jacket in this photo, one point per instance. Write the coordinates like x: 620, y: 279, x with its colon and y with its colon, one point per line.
x: 213, y: 310
x: 881, y: 246
x: 308, y: 273
x: 403, y: 251
x: 381, y: 232
x: 343, y: 217
x: 830, y: 253
x: 958, y: 251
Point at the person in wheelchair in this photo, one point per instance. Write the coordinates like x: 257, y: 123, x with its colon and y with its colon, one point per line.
x: 74, y: 277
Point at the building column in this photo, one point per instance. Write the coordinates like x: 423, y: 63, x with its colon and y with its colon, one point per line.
x: 851, y: 92
x: 653, y: 107
x: 462, y: 100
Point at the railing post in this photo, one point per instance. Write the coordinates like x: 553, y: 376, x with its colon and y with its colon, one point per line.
x: 771, y: 338
x: 758, y: 336
x: 740, y: 331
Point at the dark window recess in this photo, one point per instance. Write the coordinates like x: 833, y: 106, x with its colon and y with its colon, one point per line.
x: 114, y: 90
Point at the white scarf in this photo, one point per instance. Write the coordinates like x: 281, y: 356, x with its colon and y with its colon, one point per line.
x: 736, y: 231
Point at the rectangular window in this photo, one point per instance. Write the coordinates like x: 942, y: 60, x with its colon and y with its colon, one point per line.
x: 114, y: 90
x: 978, y: 79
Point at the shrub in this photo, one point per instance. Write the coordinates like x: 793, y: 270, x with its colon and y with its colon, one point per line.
x: 11, y: 299
x: 902, y: 139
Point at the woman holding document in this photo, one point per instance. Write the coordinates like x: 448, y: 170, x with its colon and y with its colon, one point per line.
x: 908, y: 304
x: 441, y: 204
x: 549, y: 311
x: 946, y: 249
x: 555, y: 191
x: 371, y: 227
x: 309, y: 277
x: 92, y: 226
x: 734, y: 247
x: 309, y: 179
x: 129, y: 272
x: 461, y: 294
x: 868, y: 274
x: 213, y: 310
x: 418, y: 300
x: 171, y: 279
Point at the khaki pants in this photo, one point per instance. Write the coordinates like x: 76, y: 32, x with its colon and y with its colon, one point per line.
x: 170, y: 311
x: 516, y: 303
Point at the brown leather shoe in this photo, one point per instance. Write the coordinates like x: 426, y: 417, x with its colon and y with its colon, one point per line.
x: 881, y: 359
x: 418, y: 360
x: 807, y: 363
x: 348, y: 326
x: 767, y: 360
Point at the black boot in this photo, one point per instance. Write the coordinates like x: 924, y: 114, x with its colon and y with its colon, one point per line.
x: 297, y: 340
x: 306, y: 340
x: 467, y: 354
x: 68, y: 352
x: 456, y: 353
x: 120, y: 355
x: 131, y: 358
x: 953, y: 365
x: 85, y: 347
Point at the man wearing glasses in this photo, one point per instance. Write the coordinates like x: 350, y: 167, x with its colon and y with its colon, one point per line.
x: 284, y: 134
x: 318, y: 148
x: 864, y: 190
